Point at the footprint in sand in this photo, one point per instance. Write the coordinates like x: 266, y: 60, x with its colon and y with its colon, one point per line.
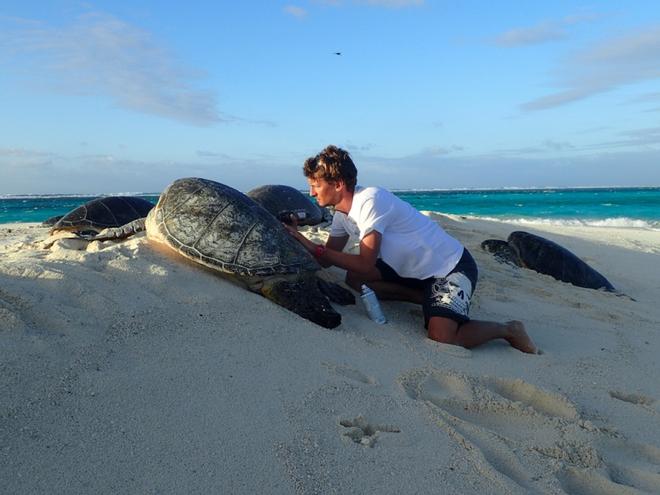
x: 362, y: 432
x: 10, y: 320
x: 638, y: 399
x: 12, y: 312
x: 497, y: 420
x: 11, y: 301
x: 350, y: 373
x: 452, y: 350
x: 627, y: 468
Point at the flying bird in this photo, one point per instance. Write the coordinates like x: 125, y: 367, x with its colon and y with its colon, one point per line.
x: 337, y: 53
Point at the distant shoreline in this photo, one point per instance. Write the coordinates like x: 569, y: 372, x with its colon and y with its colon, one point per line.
x: 435, y: 190
x: 612, y: 207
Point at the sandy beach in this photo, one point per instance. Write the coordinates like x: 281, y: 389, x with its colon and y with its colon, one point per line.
x: 123, y: 370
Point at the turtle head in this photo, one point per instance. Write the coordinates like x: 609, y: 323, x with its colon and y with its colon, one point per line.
x: 502, y: 251
x: 302, y: 296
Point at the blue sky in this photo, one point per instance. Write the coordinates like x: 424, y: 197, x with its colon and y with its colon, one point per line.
x: 119, y: 96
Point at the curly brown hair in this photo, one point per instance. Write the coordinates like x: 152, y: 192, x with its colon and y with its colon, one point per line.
x: 332, y: 164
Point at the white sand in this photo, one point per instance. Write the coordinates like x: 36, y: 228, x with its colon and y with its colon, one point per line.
x: 126, y: 371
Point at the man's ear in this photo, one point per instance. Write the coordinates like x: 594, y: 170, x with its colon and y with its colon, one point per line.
x: 339, y: 185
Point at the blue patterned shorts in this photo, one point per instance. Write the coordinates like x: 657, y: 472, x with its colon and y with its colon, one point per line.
x: 447, y: 297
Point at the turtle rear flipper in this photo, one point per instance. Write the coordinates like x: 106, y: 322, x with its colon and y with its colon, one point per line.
x: 303, y: 297
x: 336, y: 293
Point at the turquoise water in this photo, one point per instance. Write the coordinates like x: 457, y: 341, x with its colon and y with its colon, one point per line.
x: 638, y: 207
x: 40, y: 208
x: 632, y: 207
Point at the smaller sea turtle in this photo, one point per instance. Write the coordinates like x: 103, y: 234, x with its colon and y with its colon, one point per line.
x: 282, y: 201
x: 545, y: 256
x: 92, y: 217
x: 49, y: 222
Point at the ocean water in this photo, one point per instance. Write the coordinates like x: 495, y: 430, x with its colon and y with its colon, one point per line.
x: 40, y: 208
x: 616, y: 207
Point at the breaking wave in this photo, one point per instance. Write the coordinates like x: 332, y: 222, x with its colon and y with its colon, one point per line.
x: 618, y: 222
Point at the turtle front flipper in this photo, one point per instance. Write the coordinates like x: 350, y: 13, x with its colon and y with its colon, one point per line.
x: 336, y: 293
x: 303, y: 297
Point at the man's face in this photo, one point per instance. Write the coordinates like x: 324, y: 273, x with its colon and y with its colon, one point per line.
x: 326, y: 193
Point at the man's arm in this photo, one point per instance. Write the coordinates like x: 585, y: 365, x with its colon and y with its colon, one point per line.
x: 358, y: 263
x: 336, y: 243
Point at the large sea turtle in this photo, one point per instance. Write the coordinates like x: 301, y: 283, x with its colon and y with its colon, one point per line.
x: 101, y: 213
x: 219, y: 227
x: 282, y: 201
x: 545, y: 256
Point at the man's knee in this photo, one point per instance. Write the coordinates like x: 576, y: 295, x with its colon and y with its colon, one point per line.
x: 355, y: 280
x: 443, y: 330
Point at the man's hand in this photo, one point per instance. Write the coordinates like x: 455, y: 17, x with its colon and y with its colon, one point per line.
x: 292, y: 220
x: 292, y: 227
x: 288, y: 217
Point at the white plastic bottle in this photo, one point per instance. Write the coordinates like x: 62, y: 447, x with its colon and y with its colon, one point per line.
x: 372, y: 305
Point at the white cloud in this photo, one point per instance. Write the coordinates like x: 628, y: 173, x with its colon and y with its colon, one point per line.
x: 36, y: 172
x: 393, y: 3
x: 543, y: 32
x: 635, y: 139
x: 358, y: 148
x: 582, y: 17
x: 375, y: 3
x: 646, y: 98
x: 15, y: 159
x: 607, y: 66
x: 100, y: 54
x: 543, y: 148
x: 441, y: 150
x: 511, y: 168
x: 210, y: 154
x: 531, y: 35
x: 25, y: 171
x: 295, y: 11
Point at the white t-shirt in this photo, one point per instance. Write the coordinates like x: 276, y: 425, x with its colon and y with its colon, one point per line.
x: 412, y: 244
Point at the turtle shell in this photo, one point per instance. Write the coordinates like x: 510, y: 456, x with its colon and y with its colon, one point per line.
x: 281, y: 201
x: 49, y: 222
x: 220, y: 227
x: 102, y: 213
x: 547, y: 257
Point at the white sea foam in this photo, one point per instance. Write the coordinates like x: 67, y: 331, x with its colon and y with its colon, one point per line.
x: 617, y: 222
x: 542, y: 189
x: 61, y: 196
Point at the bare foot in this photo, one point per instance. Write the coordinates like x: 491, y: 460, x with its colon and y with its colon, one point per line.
x: 518, y: 337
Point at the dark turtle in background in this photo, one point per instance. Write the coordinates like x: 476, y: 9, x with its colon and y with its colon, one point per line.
x: 92, y: 217
x: 219, y: 227
x: 49, y: 222
x: 282, y: 201
x: 545, y: 256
